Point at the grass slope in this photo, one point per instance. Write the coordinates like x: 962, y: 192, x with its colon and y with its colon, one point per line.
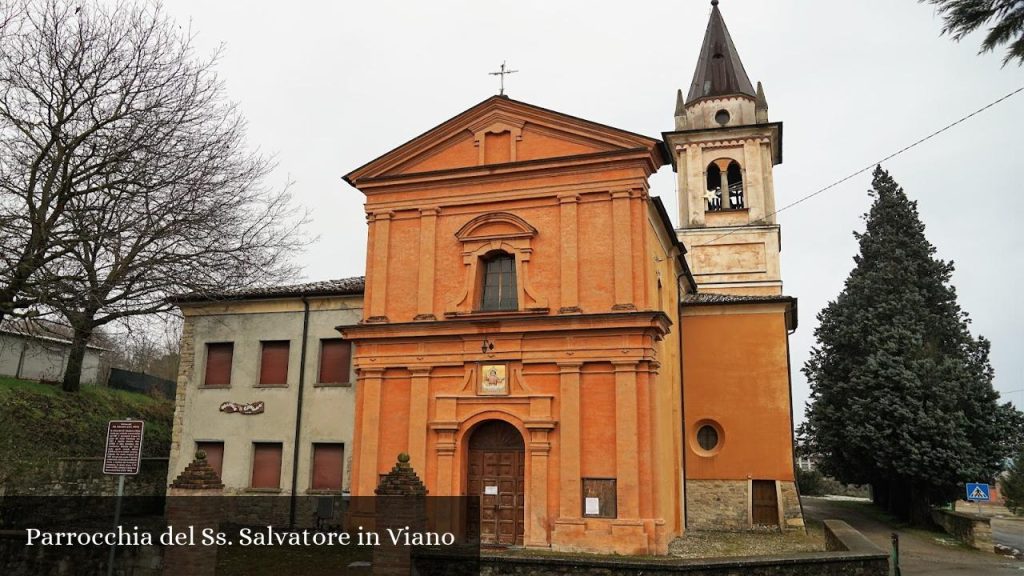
x: 41, y: 421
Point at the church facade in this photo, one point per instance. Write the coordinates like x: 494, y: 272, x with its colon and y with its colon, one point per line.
x: 537, y: 334
x: 520, y: 336
x: 534, y: 331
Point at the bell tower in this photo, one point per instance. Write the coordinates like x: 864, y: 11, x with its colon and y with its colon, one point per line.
x: 723, y: 149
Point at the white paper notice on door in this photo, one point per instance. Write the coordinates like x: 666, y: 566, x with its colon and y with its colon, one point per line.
x: 490, y: 490
x: 593, y: 506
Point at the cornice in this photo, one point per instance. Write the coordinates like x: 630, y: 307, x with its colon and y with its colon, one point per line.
x: 655, y: 320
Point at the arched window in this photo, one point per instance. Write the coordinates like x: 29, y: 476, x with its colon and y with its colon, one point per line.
x: 735, y: 185
x: 499, y: 282
x: 725, y: 189
x: 714, y: 196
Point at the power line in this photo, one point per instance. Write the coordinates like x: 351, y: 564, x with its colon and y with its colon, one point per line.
x: 873, y: 164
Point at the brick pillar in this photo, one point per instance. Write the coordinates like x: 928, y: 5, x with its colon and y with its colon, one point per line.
x: 401, y: 503
x: 622, y: 250
x: 186, y: 508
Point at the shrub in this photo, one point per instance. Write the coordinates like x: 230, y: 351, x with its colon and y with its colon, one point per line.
x: 810, y: 482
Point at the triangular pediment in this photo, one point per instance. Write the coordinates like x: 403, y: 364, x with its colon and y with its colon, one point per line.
x: 501, y: 131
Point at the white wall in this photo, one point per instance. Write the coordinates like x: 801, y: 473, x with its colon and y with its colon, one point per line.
x: 36, y: 359
x: 328, y: 412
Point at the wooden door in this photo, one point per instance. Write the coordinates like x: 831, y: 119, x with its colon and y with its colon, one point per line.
x: 764, y: 503
x: 497, y: 459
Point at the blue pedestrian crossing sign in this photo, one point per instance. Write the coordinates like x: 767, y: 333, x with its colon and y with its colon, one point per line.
x: 977, y: 492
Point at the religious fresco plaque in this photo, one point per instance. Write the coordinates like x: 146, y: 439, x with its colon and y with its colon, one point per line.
x: 493, y: 380
x: 124, y: 447
x: 245, y: 408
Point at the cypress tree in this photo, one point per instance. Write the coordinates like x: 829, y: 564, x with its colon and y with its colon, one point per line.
x: 901, y: 392
x: 1004, y: 18
x: 1012, y: 485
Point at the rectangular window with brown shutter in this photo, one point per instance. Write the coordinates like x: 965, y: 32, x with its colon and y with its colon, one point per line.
x: 218, y: 363
x: 274, y: 363
x: 266, y: 465
x: 214, y: 455
x: 335, y: 357
x: 328, y: 466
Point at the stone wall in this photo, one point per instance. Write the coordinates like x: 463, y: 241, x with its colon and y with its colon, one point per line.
x: 725, y: 505
x: 186, y: 366
x: 792, y: 512
x: 16, y: 559
x: 717, y: 505
x: 84, y: 477
x: 804, y: 565
x: 848, y: 553
x: 971, y: 529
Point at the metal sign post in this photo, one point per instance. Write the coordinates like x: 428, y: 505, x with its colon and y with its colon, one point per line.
x: 122, y: 457
x: 896, y: 554
x: 978, y: 493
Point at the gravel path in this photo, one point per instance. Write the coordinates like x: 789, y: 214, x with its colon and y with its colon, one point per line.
x: 727, y: 544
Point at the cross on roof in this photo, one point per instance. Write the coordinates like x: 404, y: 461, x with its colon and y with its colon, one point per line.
x: 502, y: 73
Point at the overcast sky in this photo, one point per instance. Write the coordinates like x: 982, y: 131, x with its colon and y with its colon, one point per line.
x: 328, y: 86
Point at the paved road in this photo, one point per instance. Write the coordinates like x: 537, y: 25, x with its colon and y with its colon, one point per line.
x: 919, y: 553
x: 1008, y: 532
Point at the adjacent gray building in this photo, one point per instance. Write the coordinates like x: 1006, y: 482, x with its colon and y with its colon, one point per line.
x: 36, y: 357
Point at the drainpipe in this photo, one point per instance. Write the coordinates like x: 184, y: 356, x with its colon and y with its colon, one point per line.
x: 298, y: 413
x: 682, y: 397
x: 792, y: 428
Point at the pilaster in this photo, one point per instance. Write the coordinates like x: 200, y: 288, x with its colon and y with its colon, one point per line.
x: 753, y: 180
x: 622, y: 248
x: 371, y: 387
x: 539, y: 448
x: 445, y: 425
x: 695, y: 183
x: 425, y: 284
x: 377, y: 290
x: 569, y: 226
x: 682, y: 186
x: 418, y: 396
x: 569, y: 440
x: 626, y: 428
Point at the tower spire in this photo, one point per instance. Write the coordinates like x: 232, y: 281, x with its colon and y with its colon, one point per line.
x: 719, y: 70
x: 761, y: 105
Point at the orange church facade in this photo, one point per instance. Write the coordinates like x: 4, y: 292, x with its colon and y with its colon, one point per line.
x: 587, y: 344
x: 533, y: 333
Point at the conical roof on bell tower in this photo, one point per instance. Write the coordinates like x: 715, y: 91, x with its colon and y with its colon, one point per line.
x: 719, y: 69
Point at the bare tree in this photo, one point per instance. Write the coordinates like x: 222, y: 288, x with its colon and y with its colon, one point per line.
x: 146, y: 187
x: 8, y: 9
x: 146, y: 344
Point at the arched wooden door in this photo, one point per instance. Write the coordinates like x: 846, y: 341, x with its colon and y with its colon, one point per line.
x: 497, y: 458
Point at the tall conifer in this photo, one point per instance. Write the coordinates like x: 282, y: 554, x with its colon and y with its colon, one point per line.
x: 901, y: 392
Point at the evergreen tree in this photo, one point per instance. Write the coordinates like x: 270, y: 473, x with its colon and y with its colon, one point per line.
x: 961, y: 17
x: 901, y: 392
x: 1012, y: 485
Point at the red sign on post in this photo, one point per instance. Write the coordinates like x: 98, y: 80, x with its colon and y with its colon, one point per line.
x: 124, y: 447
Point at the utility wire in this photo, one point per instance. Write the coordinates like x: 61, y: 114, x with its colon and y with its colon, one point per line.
x: 873, y: 164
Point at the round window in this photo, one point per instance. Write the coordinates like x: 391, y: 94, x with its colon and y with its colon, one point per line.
x: 707, y: 437
x: 722, y: 117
